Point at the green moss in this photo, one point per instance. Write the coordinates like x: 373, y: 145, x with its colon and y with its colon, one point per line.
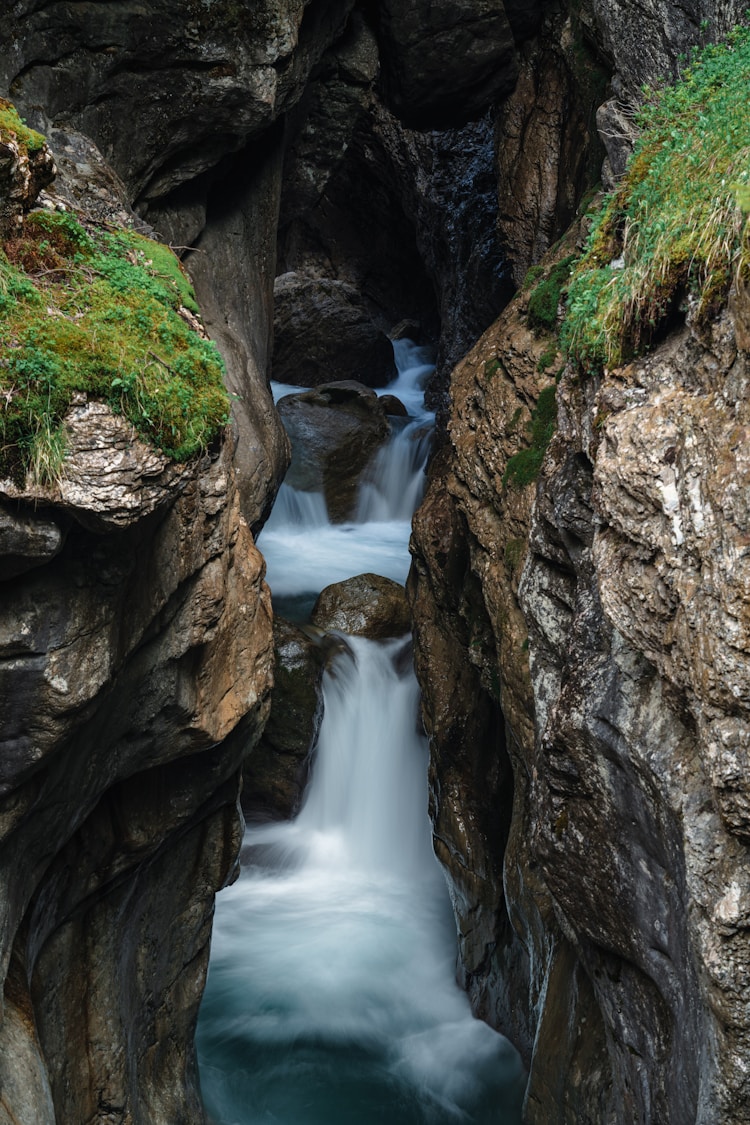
x: 88, y: 310
x: 11, y: 124
x: 514, y: 552
x: 547, y: 358
x: 675, y: 225
x: 545, y: 297
x: 523, y: 467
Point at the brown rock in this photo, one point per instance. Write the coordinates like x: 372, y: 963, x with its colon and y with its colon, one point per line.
x: 366, y: 606
x: 136, y: 668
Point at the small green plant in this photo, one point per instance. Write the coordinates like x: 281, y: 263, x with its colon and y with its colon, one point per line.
x: 676, y: 224
x: 523, y: 467
x: 544, y: 300
x: 491, y: 367
x: 547, y: 358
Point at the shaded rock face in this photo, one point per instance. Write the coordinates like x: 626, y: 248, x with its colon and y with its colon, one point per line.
x: 323, y: 334
x: 275, y: 774
x: 366, y: 606
x: 445, y: 62
x: 334, y: 431
x: 548, y: 150
x: 194, y: 82
x: 133, y: 698
x: 645, y: 43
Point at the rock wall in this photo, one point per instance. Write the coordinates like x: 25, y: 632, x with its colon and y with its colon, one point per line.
x: 131, y: 699
x: 590, y: 628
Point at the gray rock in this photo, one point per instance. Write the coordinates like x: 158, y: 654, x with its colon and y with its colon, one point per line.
x: 334, y: 430
x: 445, y: 62
x: 26, y: 541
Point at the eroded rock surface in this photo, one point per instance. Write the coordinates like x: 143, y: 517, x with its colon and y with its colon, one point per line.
x: 276, y: 772
x: 323, y: 334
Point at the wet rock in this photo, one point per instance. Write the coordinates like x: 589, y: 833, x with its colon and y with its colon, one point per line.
x: 137, y: 666
x: 323, y: 333
x: 366, y: 606
x: 393, y: 406
x: 334, y: 430
x: 275, y: 774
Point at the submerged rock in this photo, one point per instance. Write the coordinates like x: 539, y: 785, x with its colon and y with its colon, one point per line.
x: 366, y: 606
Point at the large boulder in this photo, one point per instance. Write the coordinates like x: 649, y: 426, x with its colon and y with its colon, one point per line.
x: 334, y: 431
x: 322, y: 333
x: 368, y: 605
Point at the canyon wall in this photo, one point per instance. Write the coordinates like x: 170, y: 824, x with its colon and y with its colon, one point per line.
x: 579, y: 641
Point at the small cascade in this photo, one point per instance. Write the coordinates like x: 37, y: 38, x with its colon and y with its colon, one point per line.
x: 370, y: 763
x: 331, y: 997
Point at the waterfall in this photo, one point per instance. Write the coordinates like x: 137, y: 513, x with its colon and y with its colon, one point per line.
x: 331, y: 997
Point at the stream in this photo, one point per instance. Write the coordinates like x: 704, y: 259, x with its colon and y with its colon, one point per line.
x: 331, y: 995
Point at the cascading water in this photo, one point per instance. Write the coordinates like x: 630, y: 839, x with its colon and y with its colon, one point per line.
x: 331, y: 997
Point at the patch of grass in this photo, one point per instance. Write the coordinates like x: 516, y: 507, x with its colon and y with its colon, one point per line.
x: 28, y: 140
x: 675, y: 226
x: 547, y: 358
x: 523, y: 467
x: 545, y: 297
x: 491, y: 367
x: 84, y: 309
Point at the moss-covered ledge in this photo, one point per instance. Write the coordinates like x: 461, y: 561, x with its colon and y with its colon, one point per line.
x: 90, y: 311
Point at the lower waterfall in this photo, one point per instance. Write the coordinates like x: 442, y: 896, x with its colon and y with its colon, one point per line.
x: 331, y: 997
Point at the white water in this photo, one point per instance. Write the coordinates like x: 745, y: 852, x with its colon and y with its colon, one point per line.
x: 331, y: 997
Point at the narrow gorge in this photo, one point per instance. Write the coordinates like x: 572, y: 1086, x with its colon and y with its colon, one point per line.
x: 431, y: 321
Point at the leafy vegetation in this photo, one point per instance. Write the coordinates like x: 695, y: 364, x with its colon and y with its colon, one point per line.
x: 676, y: 227
x: 11, y: 124
x: 103, y: 312
x: 523, y: 467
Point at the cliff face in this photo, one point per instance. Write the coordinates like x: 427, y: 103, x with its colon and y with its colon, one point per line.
x: 601, y: 627
x: 131, y: 698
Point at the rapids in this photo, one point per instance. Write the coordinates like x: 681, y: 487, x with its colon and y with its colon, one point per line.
x: 331, y: 997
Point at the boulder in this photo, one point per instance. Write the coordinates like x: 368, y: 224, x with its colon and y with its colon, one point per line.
x: 334, y: 430
x: 323, y: 332
x: 366, y: 606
